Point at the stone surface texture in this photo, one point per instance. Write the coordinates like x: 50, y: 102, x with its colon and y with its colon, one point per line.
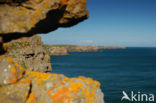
x: 39, y: 16
x: 29, y: 53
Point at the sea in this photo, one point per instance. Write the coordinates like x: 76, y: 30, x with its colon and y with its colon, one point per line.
x: 118, y: 70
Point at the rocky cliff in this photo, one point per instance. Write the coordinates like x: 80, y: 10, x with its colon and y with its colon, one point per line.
x: 64, y: 49
x: 29, y: 53
x: 24, y: 63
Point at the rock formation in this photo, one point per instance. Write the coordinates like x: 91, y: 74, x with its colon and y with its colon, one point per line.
x: 29, y: 53
x: 55, y: 50
x: 64, y: 49
x: 24, y: 63
x: 40, y: 16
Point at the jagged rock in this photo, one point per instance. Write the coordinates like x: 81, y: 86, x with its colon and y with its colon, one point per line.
x: 29, y: 53
x: 15, y: 93
x: 10, y: 71
x: 56, y: 88
x: 40, y: 16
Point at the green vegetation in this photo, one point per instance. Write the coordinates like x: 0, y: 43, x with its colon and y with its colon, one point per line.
x: 23, y: 64
x: 46, y: 47
x: 18, y: 45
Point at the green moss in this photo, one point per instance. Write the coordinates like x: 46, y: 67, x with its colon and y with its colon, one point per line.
x: 23, y: 64
x: 46, y: 47
x: 18, y: 45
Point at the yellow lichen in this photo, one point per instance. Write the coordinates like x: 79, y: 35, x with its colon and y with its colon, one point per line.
x: 60, y: 96
x: 90, y: 81
x: 39, y: 77
x: 31, y: 98
x: 14, y: 74
x: 35, y: 15
x: 75, y: 87
x: 9, y: 59
x: 24, y: 81
x: 84, y: 2
x: 46, y: 4
x: 63, y: 2
x: 20, y: 68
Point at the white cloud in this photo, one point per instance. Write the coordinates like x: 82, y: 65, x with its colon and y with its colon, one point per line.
x: 86, y: 41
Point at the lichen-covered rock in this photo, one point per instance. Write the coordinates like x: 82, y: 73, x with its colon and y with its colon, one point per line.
x: 29, y: 53
x: 10, y: 71
x: 15, y: 93
x: 19, y: 21
x: 40, y: 16
x: 56, y: 88
x: 36, y: 87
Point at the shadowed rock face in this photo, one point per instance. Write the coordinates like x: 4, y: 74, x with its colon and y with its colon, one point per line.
x: 40, y: 16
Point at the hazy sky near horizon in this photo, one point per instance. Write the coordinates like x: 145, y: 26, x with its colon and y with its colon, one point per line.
x: 112, y: 23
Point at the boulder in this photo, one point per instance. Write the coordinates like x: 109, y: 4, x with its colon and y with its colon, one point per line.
x: 57, y: 88
x: 10, y: 71
x: 15, y: 93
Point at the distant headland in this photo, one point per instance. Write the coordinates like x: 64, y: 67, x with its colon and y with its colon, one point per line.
x: 65, y: 49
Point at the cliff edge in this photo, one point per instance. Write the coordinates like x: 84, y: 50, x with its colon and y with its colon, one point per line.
x: 25, y: 64
x: 56, y: 50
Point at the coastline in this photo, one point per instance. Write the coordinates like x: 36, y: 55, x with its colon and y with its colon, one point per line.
x: 60, y: 50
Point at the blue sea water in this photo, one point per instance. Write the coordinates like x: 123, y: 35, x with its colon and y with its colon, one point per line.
x: 131, y: 69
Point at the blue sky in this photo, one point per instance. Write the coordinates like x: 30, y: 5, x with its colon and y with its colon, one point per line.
x: 112, y: 23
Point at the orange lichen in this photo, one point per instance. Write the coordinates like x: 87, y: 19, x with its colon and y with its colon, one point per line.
x: 66, y: 79
x: 64, y: 2
x: 24, y: 81
x: 59, y: 80
x: 70, y: 88
x: 35, y: 15
x: 60, y: 96
x: 46, y: 3
x: 89, y: 81
x: 87, y: 92
x: 9, y: 59
x: 84, y: 2
x: 20, y: 68
x: 31, y: 98
x: 39, y: 77
x: 72, y: 1
x: 56, y: 6
x: 14, y: 74
x: 52, y: 78
x: 75, y: 87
